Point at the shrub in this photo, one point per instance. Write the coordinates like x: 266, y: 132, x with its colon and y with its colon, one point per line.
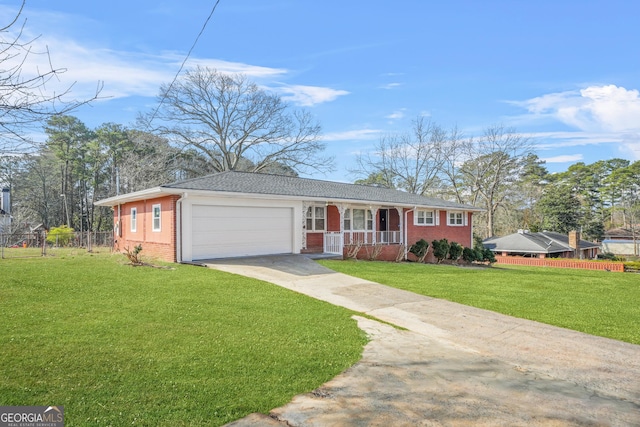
x: 610, y: 257
x: 455, y: 251
x: 632, y: 266
x: 373, y: 251
x: 488, y: 256
x: 420, y: 249
x: 440, y: 249
x: 470, y: 255
x: 607, y: 255
x: 60, y: 236
x: 134, y: 255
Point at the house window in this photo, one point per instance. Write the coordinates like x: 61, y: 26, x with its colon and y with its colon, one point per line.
x: 134, y: 219
x: 156, y: 217
x: 424, y: 218
x: 315, y: 218
x: 358, y: 219
x: 455, y: 218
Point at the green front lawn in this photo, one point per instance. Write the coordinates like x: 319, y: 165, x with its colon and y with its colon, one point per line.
x: 118, y: 345
x: 598, y: 303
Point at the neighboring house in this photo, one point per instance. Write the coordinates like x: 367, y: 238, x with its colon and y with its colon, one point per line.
x: 232, y: 214
x: 622, y: 241
x: 5, y: 211
x: 544, y: 244
x: 5, y: 222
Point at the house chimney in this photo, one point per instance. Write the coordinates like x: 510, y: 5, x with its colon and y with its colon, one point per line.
x: 574, y: 239
x: 5, y: 202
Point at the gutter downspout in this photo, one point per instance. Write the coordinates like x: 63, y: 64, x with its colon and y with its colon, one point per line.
x: 119, y: 221
x: 406, y: 231
x: 472, y: 242
x: 178, y: 226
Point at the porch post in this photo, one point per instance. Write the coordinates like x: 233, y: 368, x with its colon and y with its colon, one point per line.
x: 305, y: 207
x: 401, y: 217
x: 341, y: 209
x: 374, y: 212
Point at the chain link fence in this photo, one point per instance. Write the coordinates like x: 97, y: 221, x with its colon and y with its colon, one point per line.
x: 37, y: 243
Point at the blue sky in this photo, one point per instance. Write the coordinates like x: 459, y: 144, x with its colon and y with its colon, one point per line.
x: 566, y: 73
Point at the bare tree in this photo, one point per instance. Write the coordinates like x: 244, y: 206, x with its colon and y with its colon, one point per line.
x: 490, y: 167
x: 411, y: 162
x: 450, y: 186
x: 25, y: 99
x: 237, y: 125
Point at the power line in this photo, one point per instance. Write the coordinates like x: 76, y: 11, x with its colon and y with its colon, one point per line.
x: 204, y: 26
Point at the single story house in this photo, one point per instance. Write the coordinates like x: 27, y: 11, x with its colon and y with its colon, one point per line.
x: 622, y: 241
x: 234, y: 214
x: 544, y: 244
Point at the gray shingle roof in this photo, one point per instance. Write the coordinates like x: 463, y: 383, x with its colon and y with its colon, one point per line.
x: 265, y: 184
x: 543, y: 242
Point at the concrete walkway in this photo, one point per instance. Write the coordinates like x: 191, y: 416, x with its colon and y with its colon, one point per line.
x: 455, y: 365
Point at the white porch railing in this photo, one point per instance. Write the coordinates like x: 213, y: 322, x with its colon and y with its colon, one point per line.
x: 366, y: 237
x: 388, y: 237
x: 333, y: 243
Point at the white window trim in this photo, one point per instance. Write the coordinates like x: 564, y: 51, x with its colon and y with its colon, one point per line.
x: 153, y: 217
x: 313, y: 228
x: 134, y: 219
x: 434, y: 218
x: 452, y: 224
x: 367, y: 213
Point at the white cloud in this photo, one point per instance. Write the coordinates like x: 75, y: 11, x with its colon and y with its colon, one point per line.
x: 360, y: 134
x: 391, y: 85
x: 567, y: 158
x: 128, y: 73
x: 606, y: 114
x: 572, y: 139
x: 396, y: 115
x: 309, y: 95
x: 251, y: 71
x: 124, y: 73
x: 608, y: 108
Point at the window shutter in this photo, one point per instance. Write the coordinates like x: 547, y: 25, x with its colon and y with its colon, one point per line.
x: 437, y: 219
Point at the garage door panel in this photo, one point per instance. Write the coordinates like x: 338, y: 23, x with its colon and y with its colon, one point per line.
x: 227, y: 231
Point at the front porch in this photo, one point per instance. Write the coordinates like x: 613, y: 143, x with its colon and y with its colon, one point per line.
x: 333, y: 228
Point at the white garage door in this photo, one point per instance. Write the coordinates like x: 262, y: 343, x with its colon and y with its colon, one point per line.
x: 229, y: 231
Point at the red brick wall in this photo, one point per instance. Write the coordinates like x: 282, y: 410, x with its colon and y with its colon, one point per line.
x: 388, y: 253
x: 458, y: 234
x: 333, y: 218
x: 561, y: 263
x: 155, y: 244
x: 315, y: 242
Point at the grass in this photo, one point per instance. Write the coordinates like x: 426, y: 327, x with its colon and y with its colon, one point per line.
x: 21, y: 252
x: 597, y: 303
x: 118, y: 345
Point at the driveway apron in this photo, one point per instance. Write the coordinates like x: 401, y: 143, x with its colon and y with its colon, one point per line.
x: 454, y: 365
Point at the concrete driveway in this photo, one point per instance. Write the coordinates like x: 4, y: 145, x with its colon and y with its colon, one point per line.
x: 454, y: 365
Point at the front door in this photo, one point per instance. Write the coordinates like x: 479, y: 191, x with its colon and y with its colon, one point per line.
x: 382, y: 225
